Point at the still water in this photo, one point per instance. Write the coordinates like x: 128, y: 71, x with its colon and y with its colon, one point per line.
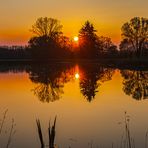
x: 89, y: 101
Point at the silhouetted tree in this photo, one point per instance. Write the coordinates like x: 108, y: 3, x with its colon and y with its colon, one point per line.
x: 49, y: 41
x: 126, y: 48
x: 48, y: 27
x: 93, y: 76
x: 106, y: 47
x: 145, y: 49
x: 40, y: 47
x: 135, y: 83
x: 88, y: 41
x: 113, y: 51
x: 65, y: 42
x: 136, y: 33
x: 65, y: 45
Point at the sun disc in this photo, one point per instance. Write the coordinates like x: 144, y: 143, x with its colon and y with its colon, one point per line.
x: 77, y: 76
x: 76, y: 38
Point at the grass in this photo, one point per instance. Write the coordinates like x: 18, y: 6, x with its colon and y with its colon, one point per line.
x: 127, y: 141
x: 3, y: 120
x: 12, y: 130
x: 11, y: 133
x: 51, y: 133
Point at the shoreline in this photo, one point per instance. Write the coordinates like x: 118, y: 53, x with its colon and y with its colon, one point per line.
x: 133, y: 64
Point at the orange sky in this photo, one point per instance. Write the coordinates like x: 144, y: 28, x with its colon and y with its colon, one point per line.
x: 17, y: 16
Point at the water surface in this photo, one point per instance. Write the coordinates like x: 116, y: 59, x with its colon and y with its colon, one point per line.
x: 88, y: 99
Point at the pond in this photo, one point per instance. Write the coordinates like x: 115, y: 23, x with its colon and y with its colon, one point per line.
x: 89, y: 100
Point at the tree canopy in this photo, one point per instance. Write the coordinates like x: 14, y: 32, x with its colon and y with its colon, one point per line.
x: 49, y: 41
x: 88, y: 40
x: 47, y: 27
x: 136, y: 33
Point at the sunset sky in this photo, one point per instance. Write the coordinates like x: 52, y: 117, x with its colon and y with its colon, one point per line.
x: 17, y: 16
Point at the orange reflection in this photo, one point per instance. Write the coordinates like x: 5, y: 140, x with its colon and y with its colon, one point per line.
x: 77, y: 76
x: 77, y: 72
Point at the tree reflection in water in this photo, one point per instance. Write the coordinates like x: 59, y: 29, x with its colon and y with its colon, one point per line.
x: 135, y: 83
x: 50, y: 80
x: 93, y: 76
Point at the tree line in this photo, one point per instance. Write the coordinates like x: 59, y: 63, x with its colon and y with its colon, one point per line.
x: 49, y: 42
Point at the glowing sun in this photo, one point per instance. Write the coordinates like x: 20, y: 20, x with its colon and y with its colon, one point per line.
x: 75, y: 38
x: 77, y: 76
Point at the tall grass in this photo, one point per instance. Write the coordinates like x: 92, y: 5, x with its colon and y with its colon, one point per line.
x: 126, y: 140
x: 2, y: 121
x: 51, y: 133
x: 127, y: 131
x: 11, y: 130
x: 40, y: 133
x: 11, y: 133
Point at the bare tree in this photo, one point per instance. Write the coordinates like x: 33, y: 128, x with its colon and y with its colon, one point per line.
x: 49, y: 27
x: 136, y: 32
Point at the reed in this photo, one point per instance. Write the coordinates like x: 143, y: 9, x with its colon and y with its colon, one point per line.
x: 12, y: 128
x: 126, y: 139
x: 146, y: 136
x: 51, y: 133
x: 3, y: 120
x: 12, y: 132
x: 40, y: 133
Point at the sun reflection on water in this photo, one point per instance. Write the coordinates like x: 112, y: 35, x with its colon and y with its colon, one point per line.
x: 77, y: 76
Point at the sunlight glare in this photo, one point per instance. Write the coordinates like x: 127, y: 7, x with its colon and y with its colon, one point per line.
x: 77, y: 76
x: 76, y: 38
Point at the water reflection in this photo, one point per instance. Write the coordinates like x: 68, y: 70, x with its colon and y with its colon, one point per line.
x: 73, y: 85
x: 93, y: 75
x: 50, y: 80
x: 135, y: 83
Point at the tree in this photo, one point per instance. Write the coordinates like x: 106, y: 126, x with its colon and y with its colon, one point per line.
x: 49, y: 41
x: 136, y: 32
x: 145, y: 49
x: 126, y: 48
x: 106, y: 47
x: 42, y: 47
x: 135, y: 83
x: 88, y: 40
x: 47, y: 27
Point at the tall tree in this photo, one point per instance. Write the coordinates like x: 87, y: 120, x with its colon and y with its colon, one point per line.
x: 136, y: 32
x: 88, y: 40
x: 48, y: 41
x: 46, y: 27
